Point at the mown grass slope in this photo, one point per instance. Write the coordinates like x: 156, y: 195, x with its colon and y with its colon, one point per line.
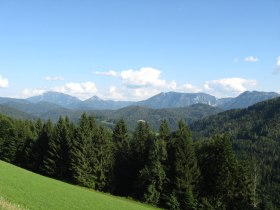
x: 32, y: 191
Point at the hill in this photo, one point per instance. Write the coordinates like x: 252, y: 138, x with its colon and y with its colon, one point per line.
x: 255, y: 132
x: 33, y: 191
x: 174, y: 99
x: 247, y: 99
x: 61, y: 99
x: 14, y: 113
x: 153, y: 117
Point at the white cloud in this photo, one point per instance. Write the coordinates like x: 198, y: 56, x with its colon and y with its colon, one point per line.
x: 146, y: 76
x: 142, y: 93
x: 54, y: 78
x: 190, y: 88
x: 32, y: 92
x: 107, y: 73
x: 251, y: 59
x: 81, y: 90
x: 115, y: 94
x: 4, y: 83
x: 278, y: 64
x: 236, y: 60
x: 228, y: 86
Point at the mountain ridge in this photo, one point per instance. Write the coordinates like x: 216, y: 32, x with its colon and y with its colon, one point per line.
x: 161, y: 100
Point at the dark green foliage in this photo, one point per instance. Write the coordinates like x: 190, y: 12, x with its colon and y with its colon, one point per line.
x: 57, y: 160
x: 122, y: 161
x: 152, y: 176
x: 41, y: 147
x: 255, y: 134
x: 82, y: 152
x: 102, y: 160
x: 183, y: 173
x: 8, y: 135
x: 139, y: 156
x: 236, y: 171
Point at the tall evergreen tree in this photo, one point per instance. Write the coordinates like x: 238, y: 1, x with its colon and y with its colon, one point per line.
x: 8, y: 138
x: 139, y: 154
x: 183, y: 172
x: 164, y: 131
x: 102, y: 161
x: 57, y: 161
x: 152, y: 177
x: 40, y: 149
x: 223, y: 178
x: 82, y: 152
x: 122, y: 162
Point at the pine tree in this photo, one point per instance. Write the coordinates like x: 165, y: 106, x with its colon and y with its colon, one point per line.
x: 183, y: 173
x: 152, y: 176
x: 40, y: 149
x: 121, y: 166
x: 218, y: 166
x: 164, y: 131
x: 102, y: 161
x: 139, y: 155
x: 57, y: 160
x: 8, y: 138
x: 82, y: 152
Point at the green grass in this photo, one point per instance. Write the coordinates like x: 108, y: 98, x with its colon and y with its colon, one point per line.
x: 22, y: 189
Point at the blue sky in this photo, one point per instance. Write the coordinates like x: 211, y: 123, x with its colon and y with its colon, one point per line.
x: 131, y: 50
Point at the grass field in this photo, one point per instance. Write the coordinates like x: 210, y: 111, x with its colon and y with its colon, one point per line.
x: 21, y: 189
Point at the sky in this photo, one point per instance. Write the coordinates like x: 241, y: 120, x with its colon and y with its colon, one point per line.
x: 132, y: 50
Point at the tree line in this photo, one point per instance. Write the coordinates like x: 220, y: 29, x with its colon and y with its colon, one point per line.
x: 163, y: 168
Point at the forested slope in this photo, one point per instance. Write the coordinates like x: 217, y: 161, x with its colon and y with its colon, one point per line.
x: 255, y: 133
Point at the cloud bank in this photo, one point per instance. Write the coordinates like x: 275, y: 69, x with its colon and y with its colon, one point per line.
x: 228, y: 86
x: 81, y: 90
x: 141, y: 84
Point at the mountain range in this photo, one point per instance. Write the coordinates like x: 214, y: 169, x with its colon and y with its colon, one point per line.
x: 161, y: 100
x: 170, y: 105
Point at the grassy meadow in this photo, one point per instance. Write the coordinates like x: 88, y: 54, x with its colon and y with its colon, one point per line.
x: 21, y: 189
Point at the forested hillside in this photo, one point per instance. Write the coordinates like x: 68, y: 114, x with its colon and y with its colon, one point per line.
x: 162, y: 168
x: 255, y: 133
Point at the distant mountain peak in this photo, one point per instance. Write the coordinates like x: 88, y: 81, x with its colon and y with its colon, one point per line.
x: 58, y: 98
x: 94, y: 98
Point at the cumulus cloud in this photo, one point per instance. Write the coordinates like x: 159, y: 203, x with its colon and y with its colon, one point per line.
x: 107, y: 73
x: 142, y: 93
x: 115, y: 94
x: 3, y: 82
x: 228, y: 86
x: 81, y: 90
x: 190, y: 88
x: 54, y: 78
x: 251, y: 59
x: 32, y: 92
x: 144, y: 77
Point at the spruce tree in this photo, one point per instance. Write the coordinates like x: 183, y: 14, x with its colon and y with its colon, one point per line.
x: 122, y: 162
x: 82, y: 152
x: 57, y: 160
x: 8, y: 140
x: 139, y: 156
x: 40, y: 148
x: 152, y: 177
x: 218, y: 166
x: 183, y: 172
x: 102, y: 161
